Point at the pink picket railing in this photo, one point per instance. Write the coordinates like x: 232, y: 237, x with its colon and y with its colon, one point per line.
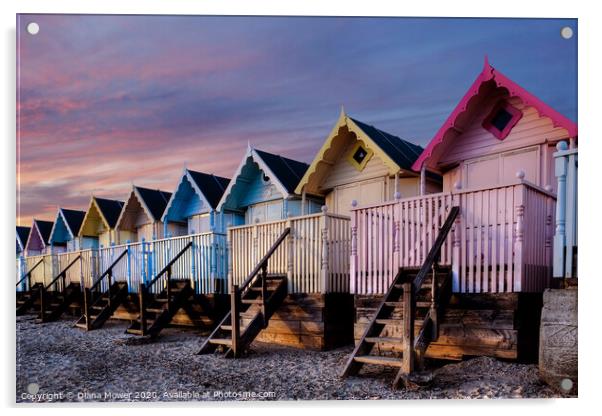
x: 501, y: 241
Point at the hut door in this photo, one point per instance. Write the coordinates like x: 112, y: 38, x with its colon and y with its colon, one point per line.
x: 365, y: 193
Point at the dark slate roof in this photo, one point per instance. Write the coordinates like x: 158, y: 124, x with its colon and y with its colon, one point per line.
x: 110, y: 209
x: 288, y: 171
x: 211, y: 186
x: 155, y: 200
x: 45, y: 228
x: 400, y: 151
x: 23, y: 233
x: 74, y: 219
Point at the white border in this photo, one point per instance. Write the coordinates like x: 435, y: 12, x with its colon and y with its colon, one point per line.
x: 589, y: 33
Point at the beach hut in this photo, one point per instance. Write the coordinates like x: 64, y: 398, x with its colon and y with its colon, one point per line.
x: 65, y: 231
x: 361, y: 164
x: 463, y: 270
x: 192, y: 207
x: 98, y: 226
x: 263, y: 189
x: 287, y: 267
x: 140, y: 217
x: 38, y: 241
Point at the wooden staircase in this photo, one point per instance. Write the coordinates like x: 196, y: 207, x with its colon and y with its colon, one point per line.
x: 53, y: 305
x: 26, y: 300
x: 251, y: 307
x: 413, y: 303
x: 157, y: 312
x: 58, y: 296
x: 99, y: 306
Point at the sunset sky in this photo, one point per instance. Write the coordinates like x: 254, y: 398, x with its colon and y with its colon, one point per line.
x: 107, y: 101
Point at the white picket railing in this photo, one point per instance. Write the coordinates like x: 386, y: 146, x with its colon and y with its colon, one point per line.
x: 501, y: 241
x: 204, y: 263
x: 565, y: 237
x: 45, y: 272
x: 314, y: 256
x: 82, y: 270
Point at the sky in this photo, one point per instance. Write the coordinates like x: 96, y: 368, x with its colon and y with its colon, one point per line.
x: 104, y: 102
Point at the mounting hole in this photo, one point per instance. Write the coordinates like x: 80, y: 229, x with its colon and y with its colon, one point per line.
x: 33, y: 28
x: 566, y: 32
x: 566, y: 384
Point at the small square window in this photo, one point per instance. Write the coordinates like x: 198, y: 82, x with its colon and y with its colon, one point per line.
x: 359, y: 155
x: 502, y: 119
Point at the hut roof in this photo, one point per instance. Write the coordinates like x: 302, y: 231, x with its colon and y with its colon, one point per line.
x: 154, y: 200
x: 284, y: 172
x: 23, y: 234
x: 109, y: 209
x: 44, y: 229
x: 487, y: 75
x: 73, y: 219
x: 396, y: 153
x: 287, y: 171
x: 211, y: 186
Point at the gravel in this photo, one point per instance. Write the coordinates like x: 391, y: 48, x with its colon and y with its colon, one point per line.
x: 57, y: 362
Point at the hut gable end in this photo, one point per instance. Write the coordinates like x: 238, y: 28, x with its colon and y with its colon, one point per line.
x: 467, y: 133
x: 355, y: 151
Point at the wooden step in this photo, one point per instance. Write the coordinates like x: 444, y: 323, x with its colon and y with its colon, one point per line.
x: 98, y: 307
x: 252, y: 301
x: 420, y: 304
x: 221, y: 341
x: 377, y: 360
x: 388, y: 340
x: 398, y: 322
x: 269, y: 288
x: 134, y: 331
x: 229, y: 328
x: 83, y: 326
x: 155, y: 310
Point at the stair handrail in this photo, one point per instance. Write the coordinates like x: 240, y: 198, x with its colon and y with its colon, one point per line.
x: 108, y: 271
x: 262, y: 265
x: 62, y: 273
x: 410, y: 292
x: 435, y: 251
x: 28, y: 274
x: 167, y: 268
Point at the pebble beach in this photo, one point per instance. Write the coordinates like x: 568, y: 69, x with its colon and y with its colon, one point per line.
x: 59, y: 363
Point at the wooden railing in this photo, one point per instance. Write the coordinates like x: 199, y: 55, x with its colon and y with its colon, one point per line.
x: 101, y: 285
x: 82, y: 272
x: 161, y: 281
x: 429, y: 330
x: 492, y: 247
x: 565, y: 237
x: 45, y: 272
x: 59, y: 282
x: 27, y: 275
x: 314, y: 256
x: 108, y: 273
x: 260, y: 271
